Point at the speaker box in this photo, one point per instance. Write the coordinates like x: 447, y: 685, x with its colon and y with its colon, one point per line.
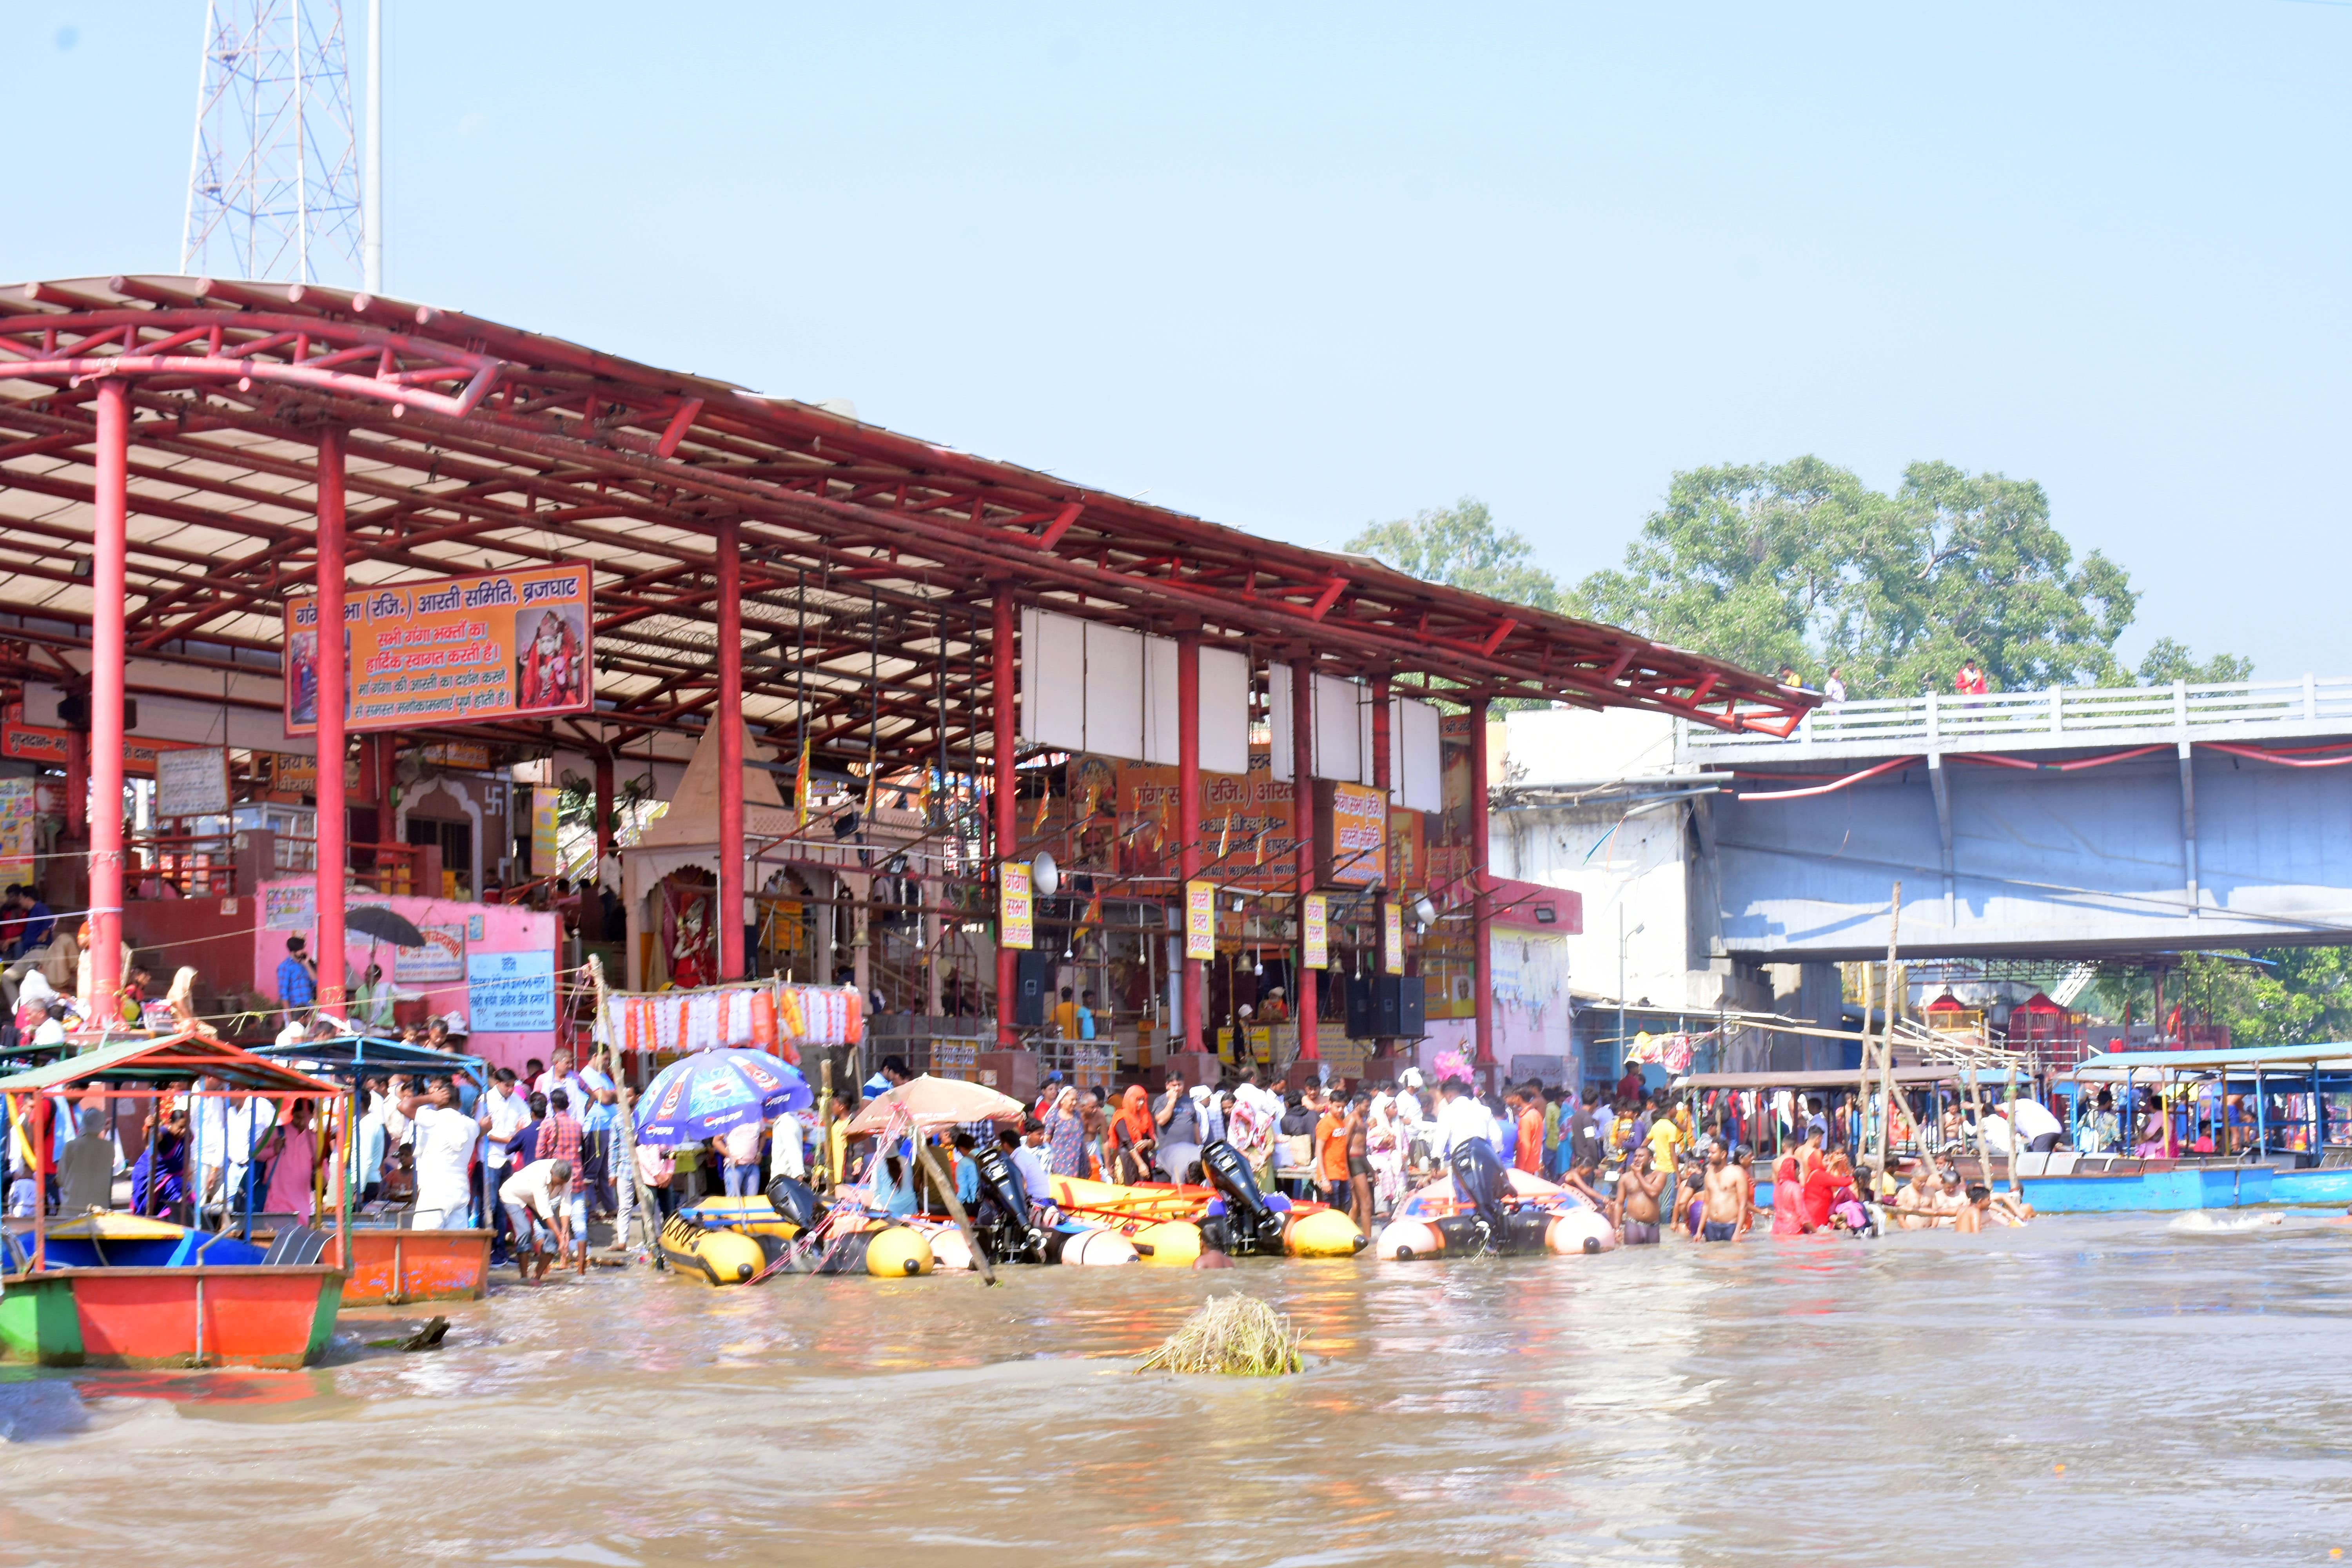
x: 1359, y: 993
x: 1032, y: 983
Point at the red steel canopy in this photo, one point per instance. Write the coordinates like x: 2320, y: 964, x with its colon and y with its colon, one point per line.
x: 477, y: 447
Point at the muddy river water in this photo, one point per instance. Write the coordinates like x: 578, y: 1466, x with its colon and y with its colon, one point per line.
x: 2095, y: 1390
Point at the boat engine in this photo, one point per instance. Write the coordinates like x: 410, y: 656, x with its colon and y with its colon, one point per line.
x: 797, y: 1202
x: 1002, y: 1225
x: 1249, y: 1224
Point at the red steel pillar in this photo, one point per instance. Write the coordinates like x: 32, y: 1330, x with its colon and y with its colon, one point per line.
x: 334, y: 822
x: 110, y: 549
x: 1302, y: 824
x: 1194, y: 994
x: 1482, y: 905
x: 606, y: 805
x: 1003, y: 690
x: 731, y: 752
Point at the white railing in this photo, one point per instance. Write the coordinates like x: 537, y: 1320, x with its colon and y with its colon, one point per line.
x: 1942, y: 722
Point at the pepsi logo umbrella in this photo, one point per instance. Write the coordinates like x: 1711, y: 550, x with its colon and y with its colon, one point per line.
x: 712, y: 1093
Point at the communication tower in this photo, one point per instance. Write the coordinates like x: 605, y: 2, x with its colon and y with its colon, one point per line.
x: 274, y: 181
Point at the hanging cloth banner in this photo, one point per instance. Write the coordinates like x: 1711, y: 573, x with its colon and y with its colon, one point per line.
x: 1016, y: 915
x: 1314, y: 931
x: 1200, y: 921
x: 1392, y: 938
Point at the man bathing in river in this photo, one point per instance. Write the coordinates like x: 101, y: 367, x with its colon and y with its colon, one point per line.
x: 1637, y: 1193
x: 1914, y: 1204
x: 1726, y: 1197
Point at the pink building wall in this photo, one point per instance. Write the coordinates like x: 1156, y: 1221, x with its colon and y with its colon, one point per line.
x: 284, y: 910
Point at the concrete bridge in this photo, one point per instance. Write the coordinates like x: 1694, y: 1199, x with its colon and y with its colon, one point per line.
x: 2075, y: 821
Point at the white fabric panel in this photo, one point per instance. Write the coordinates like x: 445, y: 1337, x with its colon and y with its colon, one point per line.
x: 1365, y: 743
x: 1160, y: 713
x: 1114, y: 691
x: 1416, y: 771
x: 1052, y: 680
x: 1338, y: 750
x: 1225, y: 711
x: 1278, y: 689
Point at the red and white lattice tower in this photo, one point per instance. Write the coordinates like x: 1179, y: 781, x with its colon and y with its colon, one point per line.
x: 274, y: 182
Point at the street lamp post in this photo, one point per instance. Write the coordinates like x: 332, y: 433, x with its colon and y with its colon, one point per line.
x: 1623, y: 936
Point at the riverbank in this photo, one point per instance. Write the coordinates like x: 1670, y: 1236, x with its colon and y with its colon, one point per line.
x: 1813, y: 1400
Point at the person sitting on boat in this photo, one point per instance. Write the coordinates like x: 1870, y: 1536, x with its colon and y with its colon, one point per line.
x: 293, y: 1163
x: 159, y: 1180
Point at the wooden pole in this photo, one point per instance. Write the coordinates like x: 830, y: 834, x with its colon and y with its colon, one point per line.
x: 955, y: 1206
x: 1886, y: 1042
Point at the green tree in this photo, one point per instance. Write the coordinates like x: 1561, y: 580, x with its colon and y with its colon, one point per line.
x: 2169, y: 659
x: 1460, y: 547
x: 1800, y: 563
x: 2273, y: 996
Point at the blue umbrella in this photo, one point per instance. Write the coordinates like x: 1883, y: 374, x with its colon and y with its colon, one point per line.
x: 712, y: 1093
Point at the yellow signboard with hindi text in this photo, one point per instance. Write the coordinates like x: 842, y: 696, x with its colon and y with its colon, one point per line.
x: 1200, y: 921
x: 1016, y: 917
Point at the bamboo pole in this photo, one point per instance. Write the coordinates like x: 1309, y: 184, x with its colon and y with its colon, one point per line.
x: 1886, y: 1042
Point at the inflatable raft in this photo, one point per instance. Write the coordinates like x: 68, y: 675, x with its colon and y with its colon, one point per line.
x: 1172, y: 1226
x: 1482, y: 1206
x: 734, y: 1240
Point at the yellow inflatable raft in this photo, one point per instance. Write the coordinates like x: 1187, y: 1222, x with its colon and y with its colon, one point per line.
x: 719, y: 1257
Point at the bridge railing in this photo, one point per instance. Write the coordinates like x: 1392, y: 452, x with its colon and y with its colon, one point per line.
x: 2059, y: 716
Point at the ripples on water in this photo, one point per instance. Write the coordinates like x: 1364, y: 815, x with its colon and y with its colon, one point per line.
x: 1803, y: 1402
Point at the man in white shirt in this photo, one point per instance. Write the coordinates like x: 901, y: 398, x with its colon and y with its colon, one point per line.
x: 246, y: 1121
x: 2037, y: 1127
x: 536, y: 1198
x: 787, y: 1153
x: 1461, y: 1119
x: 441, y: 1139
x: 501, y: 1113
x: 559, y: 1075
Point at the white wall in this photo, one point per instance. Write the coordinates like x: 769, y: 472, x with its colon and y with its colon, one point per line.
x: 1575, y: 745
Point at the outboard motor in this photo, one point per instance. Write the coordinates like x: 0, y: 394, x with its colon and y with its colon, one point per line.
x: 795, y: 1201
x: 1251, y: 1226
x: 1004, y: 1225
x: 1480, y: 1181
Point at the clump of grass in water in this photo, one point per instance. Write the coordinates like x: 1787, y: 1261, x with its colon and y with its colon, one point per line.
x: 1237, y: 1335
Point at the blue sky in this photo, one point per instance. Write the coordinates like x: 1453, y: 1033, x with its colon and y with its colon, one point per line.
x: 1297, y: 268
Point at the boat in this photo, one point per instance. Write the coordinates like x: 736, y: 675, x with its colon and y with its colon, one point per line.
x: 1171, y: 1225
x: 128, y: 1291
x: 1482, y: 1206
x: 392, y: 1267
x: 717, y: 1255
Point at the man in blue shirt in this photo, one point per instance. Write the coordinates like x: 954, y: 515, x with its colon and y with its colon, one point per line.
x: 28, y: 921
x: 297, y: 983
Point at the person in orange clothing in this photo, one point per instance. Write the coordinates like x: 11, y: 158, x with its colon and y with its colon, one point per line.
x: 1330, y: 1152
x: 1527, y: 1148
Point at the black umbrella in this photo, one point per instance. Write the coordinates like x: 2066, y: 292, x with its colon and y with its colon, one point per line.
x: 379, y: 921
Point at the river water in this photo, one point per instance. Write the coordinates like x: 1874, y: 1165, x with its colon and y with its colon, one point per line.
x: 2094, y: 1390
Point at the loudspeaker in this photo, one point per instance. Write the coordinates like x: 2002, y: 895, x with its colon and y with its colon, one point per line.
x: 1393, y: 1006
x: 74, y: 713
x: 1412, y: 1007
x: 1359, y: 995
x: 1033, y: 981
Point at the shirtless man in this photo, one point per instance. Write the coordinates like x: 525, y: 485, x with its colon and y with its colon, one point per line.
x: 1637, y: 1194
x: 1725, y: 1197
x: 1357, y: 1130
x: 1914, y: 1204
x: 1971, y: 1220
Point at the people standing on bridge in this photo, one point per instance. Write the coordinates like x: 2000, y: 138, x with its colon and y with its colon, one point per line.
x: 1833, y: 689
x: 1971, y: 682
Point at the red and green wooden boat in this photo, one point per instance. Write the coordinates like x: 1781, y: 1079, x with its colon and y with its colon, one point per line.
x: 126, y: 1290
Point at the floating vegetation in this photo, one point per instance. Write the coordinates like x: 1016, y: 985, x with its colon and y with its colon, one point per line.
x: 1237, y: 1335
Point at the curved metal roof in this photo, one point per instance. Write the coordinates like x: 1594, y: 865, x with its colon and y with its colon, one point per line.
x: 476, y: 446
